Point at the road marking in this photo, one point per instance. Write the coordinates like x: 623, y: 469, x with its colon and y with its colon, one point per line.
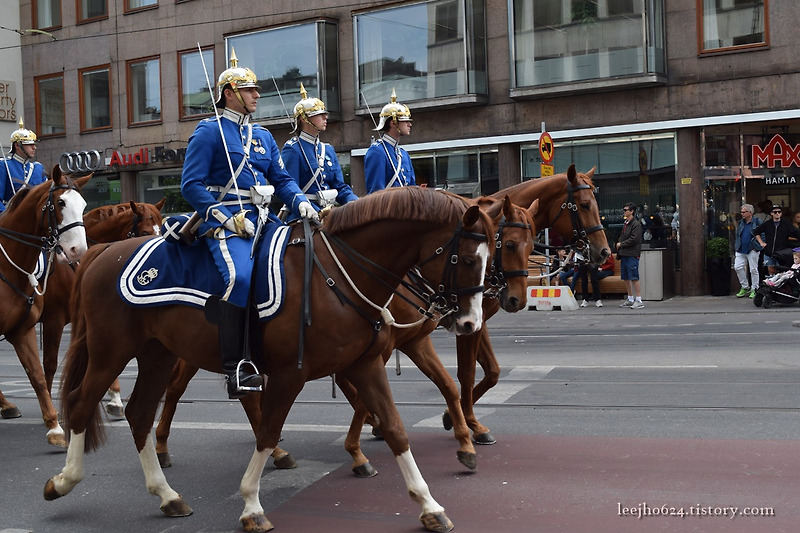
x: 436, y: 421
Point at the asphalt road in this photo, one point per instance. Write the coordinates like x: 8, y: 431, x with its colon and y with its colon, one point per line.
x: 690, y: 404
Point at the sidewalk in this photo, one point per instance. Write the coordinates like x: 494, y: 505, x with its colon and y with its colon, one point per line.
x: 689, y: 305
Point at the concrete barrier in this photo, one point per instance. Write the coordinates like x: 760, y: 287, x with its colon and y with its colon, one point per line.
x: 550, y: 298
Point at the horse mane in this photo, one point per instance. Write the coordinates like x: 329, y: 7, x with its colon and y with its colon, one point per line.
x: 413, y: 204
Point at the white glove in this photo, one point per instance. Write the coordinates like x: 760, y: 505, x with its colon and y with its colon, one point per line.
x: 246, y: 227
x: 307, y: 210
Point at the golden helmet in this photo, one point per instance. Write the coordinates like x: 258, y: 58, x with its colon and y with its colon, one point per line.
x: 394, y: 111
x: 235, y: 76
x: 22, y: 135
x: 308, y: 107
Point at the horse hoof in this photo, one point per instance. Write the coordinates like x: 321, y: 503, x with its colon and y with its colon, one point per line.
x: 257, y: 523
x: 447, y: 422
x: 10, y: 412
x: 56, y: 439
x: 285, y: 462
x: 115, y: 411
x: 484, y: 438
x: 470, y: 460
x: 365, y: 470
x: 376, y: 432
x: 176, y: 508
x: 436, y: 522
x: 50, y: 492
x: 164, y: 459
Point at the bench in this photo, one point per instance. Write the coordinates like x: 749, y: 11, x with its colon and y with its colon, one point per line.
x: 611, y: 285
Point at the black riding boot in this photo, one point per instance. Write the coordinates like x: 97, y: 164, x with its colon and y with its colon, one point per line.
x: 241, y: 374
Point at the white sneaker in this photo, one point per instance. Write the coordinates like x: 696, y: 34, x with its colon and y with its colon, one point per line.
x: 637, y: 305
x: 598, y: 303
x: 584, y: 303
x: 626, y: 303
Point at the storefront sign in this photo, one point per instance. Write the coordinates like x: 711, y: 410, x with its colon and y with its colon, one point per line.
x: 144, y: 157
x: 780, y: 180
x: 777, y: 153
x: 8, y: 101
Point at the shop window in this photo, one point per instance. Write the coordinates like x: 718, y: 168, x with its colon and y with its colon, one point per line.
x: 469, y: 173
x: 94, y: 85
x: 639, y: 169
x: 91, y: 10
x: 560, y: 46
x: 46, y: 14
x: 138, y: 5
x: 430, y: 53
x: 195, y: 99
x: 283, y: 58
x: 152, y: 186
x: 144, y: 91
x: 732, y: 24
x: 102, y: 190
x: 49, y: 92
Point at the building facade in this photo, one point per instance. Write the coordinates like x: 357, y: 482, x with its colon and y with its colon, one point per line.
x: 684, y: 107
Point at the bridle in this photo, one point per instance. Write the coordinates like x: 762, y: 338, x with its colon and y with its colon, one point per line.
x: 580, y: 235
x: 498, y: 277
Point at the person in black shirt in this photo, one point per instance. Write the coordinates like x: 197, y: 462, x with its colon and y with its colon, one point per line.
x: 773, y: 236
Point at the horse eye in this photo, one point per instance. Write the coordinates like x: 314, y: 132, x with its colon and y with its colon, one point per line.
x: 61, y: 203
x: 585, y: 206
x: 511, y: 245
x: 469, y: 261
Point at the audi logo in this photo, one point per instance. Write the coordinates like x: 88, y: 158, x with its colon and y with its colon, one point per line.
x: 86, y: 161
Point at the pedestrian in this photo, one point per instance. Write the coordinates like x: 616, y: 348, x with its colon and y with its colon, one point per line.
x: 629, y: 248
x: 773, y: 236
x: 595, y: 273
x: 780, y: 278
x: 747, y: 250
x: 19, y: 169
x: 386, y: 164
x: 312, y: 163
x: 227, y: 156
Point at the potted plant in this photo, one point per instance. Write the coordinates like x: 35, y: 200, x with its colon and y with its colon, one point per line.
x: 718, y: 264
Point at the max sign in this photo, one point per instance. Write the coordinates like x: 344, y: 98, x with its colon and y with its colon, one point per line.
x: 777, y: 153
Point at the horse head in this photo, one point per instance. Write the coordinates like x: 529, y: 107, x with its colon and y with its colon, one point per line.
x: 147, y: 218
x: 514, y: 239
x: 577, y: 217
x: 61, y: 202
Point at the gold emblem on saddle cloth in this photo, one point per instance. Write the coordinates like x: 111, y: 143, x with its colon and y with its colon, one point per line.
x: 146, y: 276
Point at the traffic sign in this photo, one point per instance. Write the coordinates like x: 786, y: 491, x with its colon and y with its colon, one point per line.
x: 546, y: 148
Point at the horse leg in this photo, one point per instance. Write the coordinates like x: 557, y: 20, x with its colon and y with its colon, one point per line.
x: 467, y: 347
x: 155, y: 364
x: 52, y: 331
x: 8, y: 409
x: 282, y: 459
x: 423, y: 354
x: 352, y: 443
x: 182, y: 374
x: 114, y: 405
x: 25, y: 345
x: 368, y: 375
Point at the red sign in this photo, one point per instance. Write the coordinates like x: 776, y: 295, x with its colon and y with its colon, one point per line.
x: 777, y: 152
x: 546, y: 148
x: 138, y: 158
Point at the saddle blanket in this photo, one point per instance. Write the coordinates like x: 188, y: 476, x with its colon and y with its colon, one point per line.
x: 162, y: 272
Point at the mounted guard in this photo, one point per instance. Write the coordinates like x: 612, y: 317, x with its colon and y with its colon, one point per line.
x: 312, y: 163
x: 19, y: 168
x: 386, y: 164
x: 231, y: 168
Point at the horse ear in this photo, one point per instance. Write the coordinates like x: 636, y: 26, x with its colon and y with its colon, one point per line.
x: 472, y: 216
x: 533, y: 210
x: 56, y: 175
x: 134, y: 207
x: 490, y: 206
x: 160, y: 204
x: 590, y: 174
x: 572, y: 175
x: 508, y: 207
x: 80, y: 182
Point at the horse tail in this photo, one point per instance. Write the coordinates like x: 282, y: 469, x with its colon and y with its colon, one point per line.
x: 77, y: 361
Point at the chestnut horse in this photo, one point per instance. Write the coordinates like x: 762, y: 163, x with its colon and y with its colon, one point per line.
x: 361, y: 253
x: 506, y: 286
x: 45, y: 219
x: 103, y: 224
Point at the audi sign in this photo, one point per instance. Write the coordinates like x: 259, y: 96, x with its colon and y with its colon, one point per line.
x: 85, y: 161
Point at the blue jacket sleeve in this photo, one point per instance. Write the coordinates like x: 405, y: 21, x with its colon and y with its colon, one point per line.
x: 375, y: 168
x: 199, y: 159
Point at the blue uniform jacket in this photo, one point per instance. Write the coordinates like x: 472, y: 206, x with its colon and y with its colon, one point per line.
x: 31, y: 172
x: 302, y: 167
x: 206, y: 165
x: 380, y: 163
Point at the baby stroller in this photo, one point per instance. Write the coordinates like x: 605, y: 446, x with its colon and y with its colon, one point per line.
x: 787, y: 294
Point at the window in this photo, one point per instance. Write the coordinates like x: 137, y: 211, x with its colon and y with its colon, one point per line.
x: 569, y: 45
x: 46, y: 14
x: 470, y: 172
x: 726, y: 24
x: 144, y: 91
x: 429, y: 51
x: 50, y: 105
x: 303, y: 53
x: 95, y: 102
x: 136, y: 5
x: 195, y: 99
x: 91, y: 10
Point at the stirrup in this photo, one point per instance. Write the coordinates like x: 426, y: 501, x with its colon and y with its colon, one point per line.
x: 243, y: 388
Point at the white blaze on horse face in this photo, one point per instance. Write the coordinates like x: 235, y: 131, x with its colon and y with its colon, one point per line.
x: 72, y: 241
x: 472, y: 321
